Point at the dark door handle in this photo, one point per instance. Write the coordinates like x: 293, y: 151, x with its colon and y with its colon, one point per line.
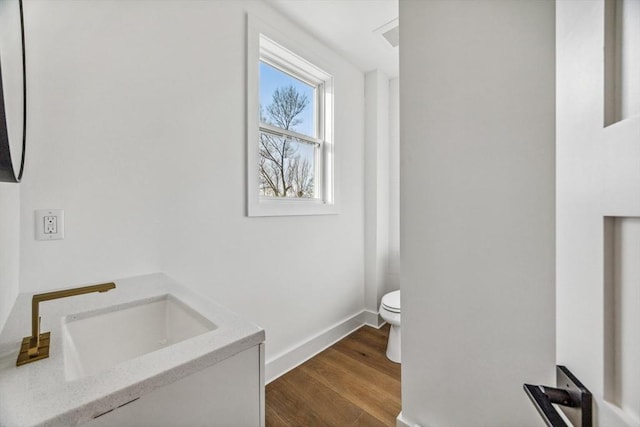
x: 573, y: 398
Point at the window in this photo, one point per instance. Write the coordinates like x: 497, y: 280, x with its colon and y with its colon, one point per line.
x: 290, y: 146
x: 290, y: 138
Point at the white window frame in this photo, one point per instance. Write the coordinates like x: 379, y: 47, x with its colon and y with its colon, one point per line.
x: 276, y: 49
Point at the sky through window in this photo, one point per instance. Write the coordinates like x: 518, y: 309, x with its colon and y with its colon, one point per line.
x: 271, y: 79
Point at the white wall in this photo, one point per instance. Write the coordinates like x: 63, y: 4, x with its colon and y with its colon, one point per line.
x: 477, y: 209
x: 394, y: 185
x: 382, y: 189
x: 294, y: 276
x: 9, y: 247
x: 377, y: 116
x: 101, y: 106
x: 139, y: 134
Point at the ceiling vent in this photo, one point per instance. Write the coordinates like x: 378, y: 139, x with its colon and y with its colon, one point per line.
x: 391, y: 32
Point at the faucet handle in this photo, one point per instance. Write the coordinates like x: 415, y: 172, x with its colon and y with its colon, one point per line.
x: 34, y: 348
x: 34, y: 342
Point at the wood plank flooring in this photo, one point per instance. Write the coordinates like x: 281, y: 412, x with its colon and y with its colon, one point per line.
x: 352, y: 383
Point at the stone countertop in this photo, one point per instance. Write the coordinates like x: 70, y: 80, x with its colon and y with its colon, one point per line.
x: 38, y: 393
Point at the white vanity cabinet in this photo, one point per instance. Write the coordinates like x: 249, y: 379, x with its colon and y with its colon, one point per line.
x: 227, y: 394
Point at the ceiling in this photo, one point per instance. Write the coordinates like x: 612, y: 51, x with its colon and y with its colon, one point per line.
x: 347, y: 26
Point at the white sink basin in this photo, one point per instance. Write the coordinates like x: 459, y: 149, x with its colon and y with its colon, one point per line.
x: 98, y: 340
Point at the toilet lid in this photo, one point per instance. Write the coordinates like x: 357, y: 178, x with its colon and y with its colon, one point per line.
x: 391, y: 301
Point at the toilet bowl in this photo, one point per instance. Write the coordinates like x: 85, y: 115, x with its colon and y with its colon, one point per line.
x: 390, y: 312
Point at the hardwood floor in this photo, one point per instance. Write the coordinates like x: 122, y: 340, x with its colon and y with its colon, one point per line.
x: 352, y: 383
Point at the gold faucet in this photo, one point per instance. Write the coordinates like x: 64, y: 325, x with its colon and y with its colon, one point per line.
x: 36, y: 346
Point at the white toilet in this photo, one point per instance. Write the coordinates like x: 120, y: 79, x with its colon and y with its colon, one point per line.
x: 390, y: 312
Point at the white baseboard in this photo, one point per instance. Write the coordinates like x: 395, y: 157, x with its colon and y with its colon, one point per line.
x: 372, y: 318
x: 288, y: 360
x: 403, y: 422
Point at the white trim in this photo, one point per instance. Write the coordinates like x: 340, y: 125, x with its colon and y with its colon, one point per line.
x: 262, y: 419
x: 401, y: 421
x: 275, y: 130
x: 286, y: 361
x: 257, y: 206
x: 373, y: 319
x: 280, y: 57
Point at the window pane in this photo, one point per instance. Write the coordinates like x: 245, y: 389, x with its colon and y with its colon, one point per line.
x: 286, y: 167
x: 286, y: 102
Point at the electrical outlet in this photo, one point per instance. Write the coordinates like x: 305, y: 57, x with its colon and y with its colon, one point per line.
x: 49, y: 224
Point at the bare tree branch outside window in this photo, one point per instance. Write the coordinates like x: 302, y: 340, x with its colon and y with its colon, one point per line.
x: 284, y: 169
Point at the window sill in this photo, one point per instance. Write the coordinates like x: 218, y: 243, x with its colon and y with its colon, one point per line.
x: 293, y: 207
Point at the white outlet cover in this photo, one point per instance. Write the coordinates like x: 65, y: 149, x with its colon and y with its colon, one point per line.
x: 39, y: 224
